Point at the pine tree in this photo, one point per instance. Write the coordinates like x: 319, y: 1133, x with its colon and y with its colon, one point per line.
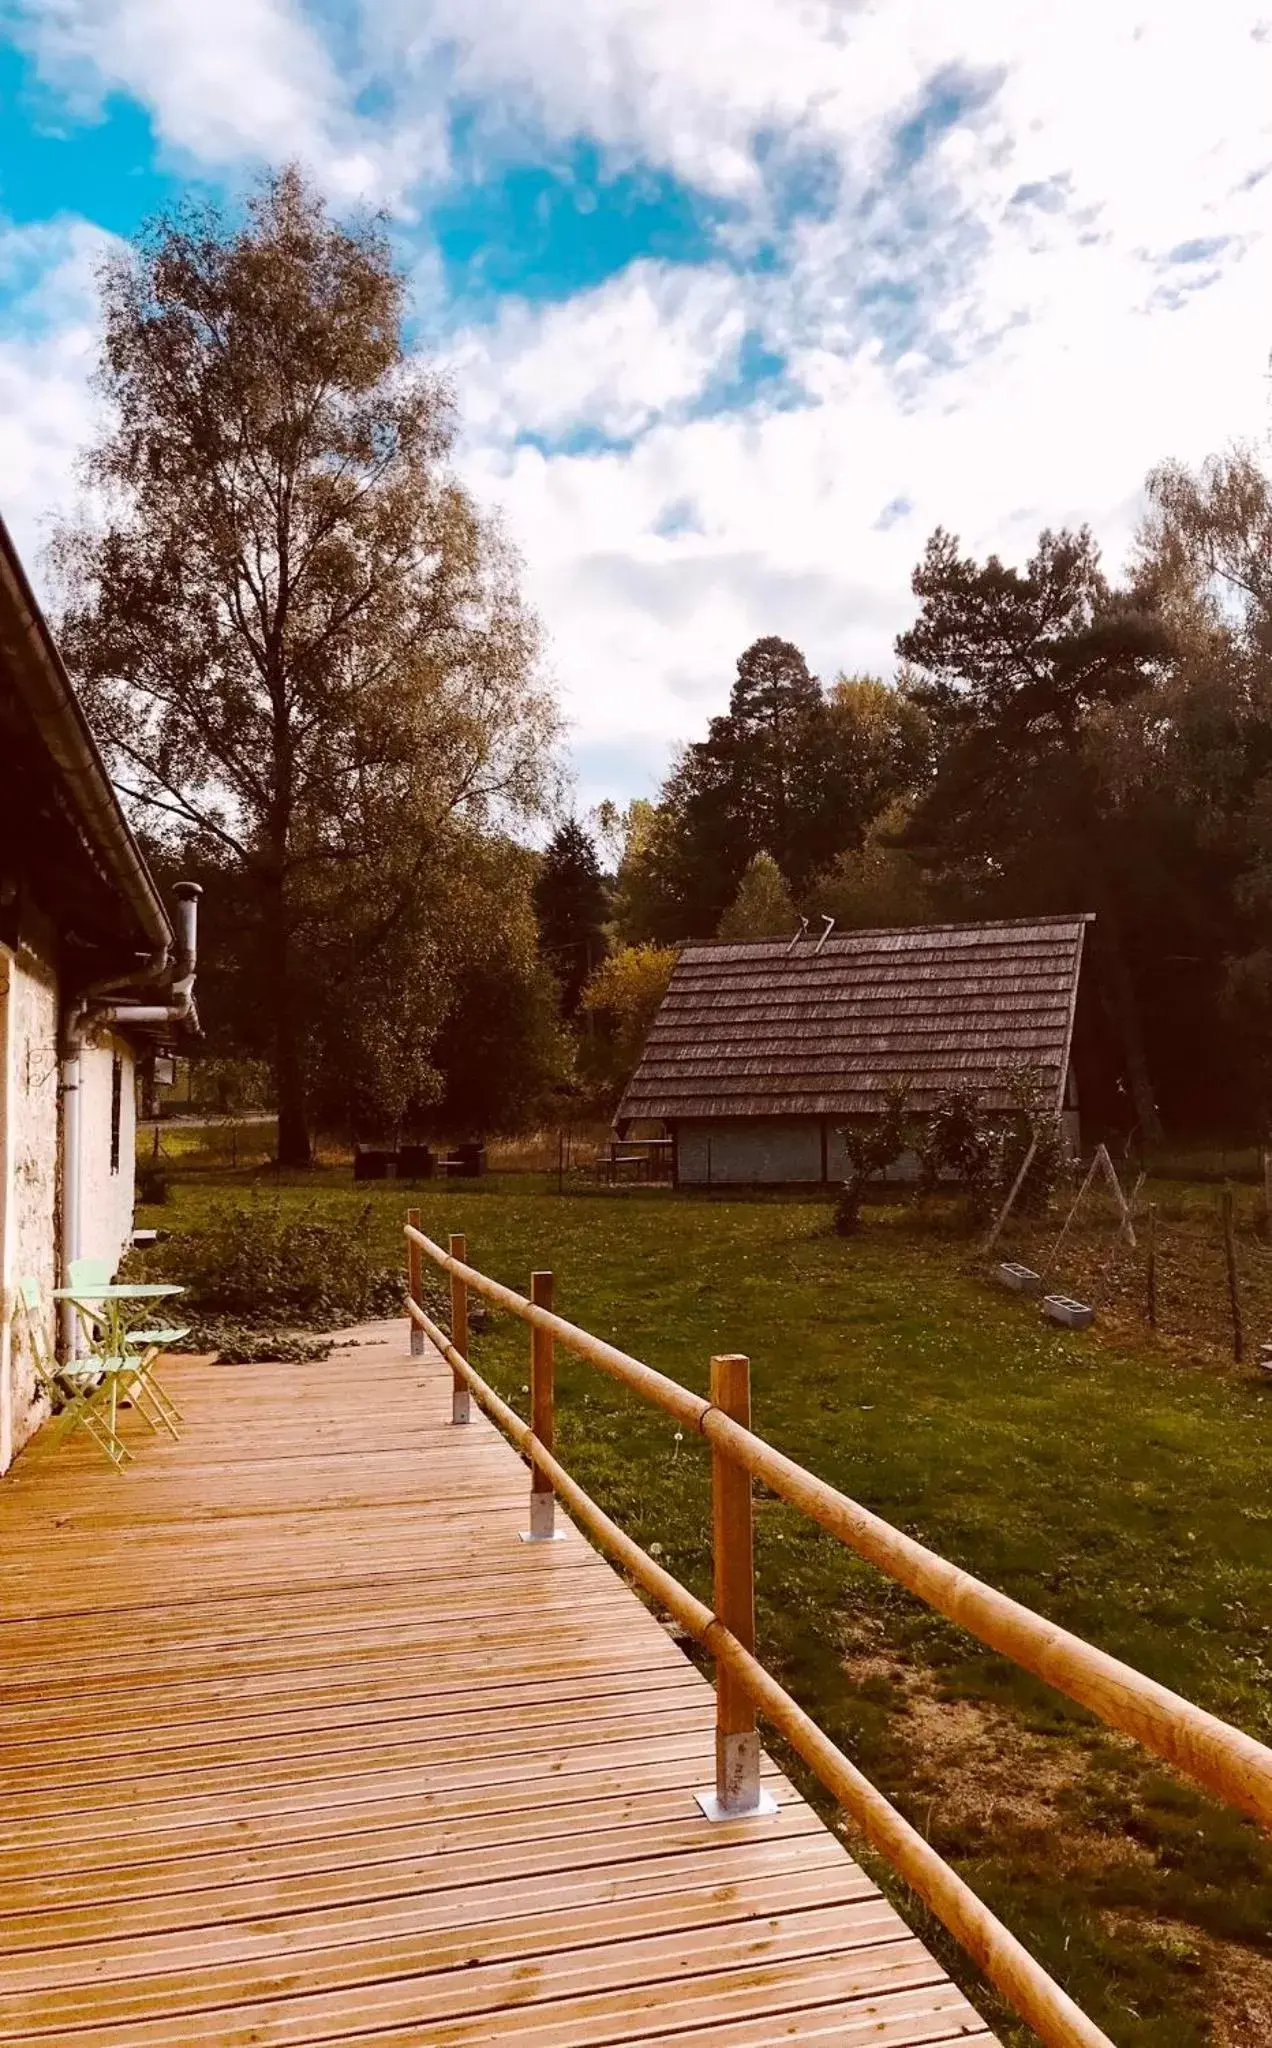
x: 571, y: 904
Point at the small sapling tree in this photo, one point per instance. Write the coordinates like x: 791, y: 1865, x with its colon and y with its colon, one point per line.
x: 871, y: 1149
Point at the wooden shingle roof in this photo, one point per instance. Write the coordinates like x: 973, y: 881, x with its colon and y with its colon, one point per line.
x: 763, y: 1029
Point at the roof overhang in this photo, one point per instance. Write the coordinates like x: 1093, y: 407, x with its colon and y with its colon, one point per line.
x: 120, y: 903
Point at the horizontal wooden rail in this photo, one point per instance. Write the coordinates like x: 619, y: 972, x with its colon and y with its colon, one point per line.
x: 655, y: 1386
x: 1006, y: 1963
x: 1225, y: 1761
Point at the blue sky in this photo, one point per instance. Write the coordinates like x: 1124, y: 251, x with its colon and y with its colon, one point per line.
x: 741, y: 298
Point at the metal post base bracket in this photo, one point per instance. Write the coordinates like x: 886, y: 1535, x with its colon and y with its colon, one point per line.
x: 417, y: 1342
x: 711, y: 1807
x: 543, y: 1527
x: 461, y: 1405
x: 737, y: 1793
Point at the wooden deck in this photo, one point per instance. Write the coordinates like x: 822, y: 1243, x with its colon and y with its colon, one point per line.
x: 300, y: 1744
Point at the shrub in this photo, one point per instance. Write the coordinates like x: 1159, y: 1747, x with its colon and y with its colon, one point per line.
x: 871, y: 1149
x: 983, y: 1150
x: 958, y: 1143
x: 1032, y: 1118
x: 255, y: 1266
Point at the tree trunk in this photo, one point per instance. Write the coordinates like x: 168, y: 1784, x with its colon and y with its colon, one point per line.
x: 1124, y: 1007
x: 294, y: 1147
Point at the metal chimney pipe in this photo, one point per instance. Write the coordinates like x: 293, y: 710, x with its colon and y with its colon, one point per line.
x: 187, y: 895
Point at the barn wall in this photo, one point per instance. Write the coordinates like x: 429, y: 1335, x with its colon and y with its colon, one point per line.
x: 749, y: 1151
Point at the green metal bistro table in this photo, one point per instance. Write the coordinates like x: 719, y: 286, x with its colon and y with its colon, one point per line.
x: 108, y: 1315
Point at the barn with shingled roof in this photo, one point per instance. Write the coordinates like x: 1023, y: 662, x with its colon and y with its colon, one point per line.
x: 762, y: 1051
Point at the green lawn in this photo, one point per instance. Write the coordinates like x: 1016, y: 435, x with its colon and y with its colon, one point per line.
x: 1117, y: 1489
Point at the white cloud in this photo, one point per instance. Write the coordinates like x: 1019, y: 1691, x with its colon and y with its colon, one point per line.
x: 613, y: 359
x: 1070, y: 285
x: 48, y: 339
x: 1062, y: 343
x: 1057, y: 424
x: 237, y: 81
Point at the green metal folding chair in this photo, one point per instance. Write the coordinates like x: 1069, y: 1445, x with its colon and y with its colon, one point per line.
x: 151, y: 1343
x: 73, y: 1389
x: 127, y: 1356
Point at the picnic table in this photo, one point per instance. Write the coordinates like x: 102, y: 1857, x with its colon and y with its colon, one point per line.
x: 642, y: 1153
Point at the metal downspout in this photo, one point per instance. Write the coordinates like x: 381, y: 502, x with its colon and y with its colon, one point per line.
x: 83, y: 1017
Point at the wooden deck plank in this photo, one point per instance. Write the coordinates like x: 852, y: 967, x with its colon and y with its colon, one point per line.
x: 299, y: 1744
x: 132, y: 1899
x: 460, y: 1891
x: 598, y: 1937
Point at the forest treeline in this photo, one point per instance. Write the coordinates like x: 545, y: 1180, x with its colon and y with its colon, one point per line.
x: 306, y: 652
x: 1050, y: 742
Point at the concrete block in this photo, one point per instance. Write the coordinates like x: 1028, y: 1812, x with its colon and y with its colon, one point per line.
x: 1021, y: 1279
x: 1060, y: 1308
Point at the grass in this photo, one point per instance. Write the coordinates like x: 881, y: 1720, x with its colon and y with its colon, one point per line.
x: 1110, y: 1485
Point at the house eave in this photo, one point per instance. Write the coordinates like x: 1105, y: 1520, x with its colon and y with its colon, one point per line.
x: 86, y: 795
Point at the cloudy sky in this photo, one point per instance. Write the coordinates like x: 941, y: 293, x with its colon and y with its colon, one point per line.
x: 742, y: 296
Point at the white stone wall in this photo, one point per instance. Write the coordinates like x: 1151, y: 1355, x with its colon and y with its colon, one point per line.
x: 30, y: 1181
x: 106, y: 1199
x: 752, y: 1151
x: 29, y: 1147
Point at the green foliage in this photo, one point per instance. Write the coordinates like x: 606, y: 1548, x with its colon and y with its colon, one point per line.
x: 645, y: 903
x: 957, y: 1142
x: 502, y: 1051
x: 571, y: 904
x: 762, y: 908
x: 872, y: 1145
x: 229, y: 1086
x: 1033, y: 1120
x: 1018, y: 671
x: 259, y: 1263
x: 982, y: 1150
x: 790, y: 770
x: 618, y: 1006
x: 239, y: 1343
x: 879, y: 883
x: 299, y: 640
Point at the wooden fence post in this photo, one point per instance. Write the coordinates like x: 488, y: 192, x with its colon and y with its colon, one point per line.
x: 461, y: 1405
x: 737, y: 1786
x: 1234, y: 1290
x: 543, y: 1527
x: 415, y: 1281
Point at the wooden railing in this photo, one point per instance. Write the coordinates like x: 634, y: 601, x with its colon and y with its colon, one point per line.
x: 1226, y: 1762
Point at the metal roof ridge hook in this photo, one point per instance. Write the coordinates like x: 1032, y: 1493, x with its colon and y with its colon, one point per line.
x: 829, y: 924
x: 803, y: 927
